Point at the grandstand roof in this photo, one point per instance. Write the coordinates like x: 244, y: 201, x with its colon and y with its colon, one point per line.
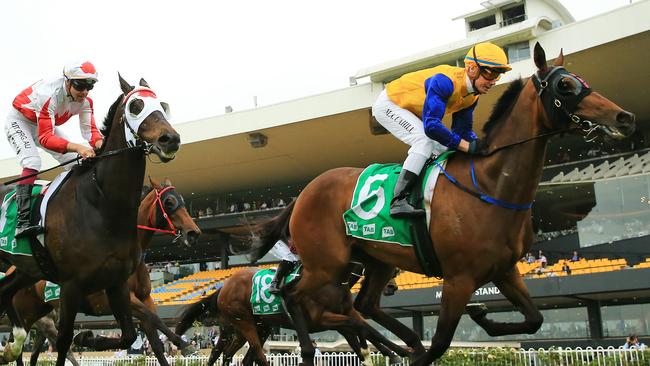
x: 310, y: 135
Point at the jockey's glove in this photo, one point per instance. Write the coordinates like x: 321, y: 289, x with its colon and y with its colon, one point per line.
x: 477, y: 147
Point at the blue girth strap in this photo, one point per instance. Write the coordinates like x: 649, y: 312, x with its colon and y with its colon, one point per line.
x: 480, y: 195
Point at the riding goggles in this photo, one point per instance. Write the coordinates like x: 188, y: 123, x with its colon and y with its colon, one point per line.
x: 490, y: 74
x: 81, y: 85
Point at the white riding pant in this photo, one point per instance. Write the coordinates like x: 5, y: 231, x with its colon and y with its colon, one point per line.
x: 22, y: 136
x: 281, y: 251
x: 408, y: 128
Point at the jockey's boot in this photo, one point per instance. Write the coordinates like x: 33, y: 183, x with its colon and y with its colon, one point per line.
x: 23, y: 205
x: 400, y: 206
x: 284, y: 268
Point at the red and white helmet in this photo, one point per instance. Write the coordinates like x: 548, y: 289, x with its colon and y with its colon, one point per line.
x: 80, y: 70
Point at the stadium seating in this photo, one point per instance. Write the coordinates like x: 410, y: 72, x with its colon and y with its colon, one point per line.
x: 193, y: 287
x: 631, y: 165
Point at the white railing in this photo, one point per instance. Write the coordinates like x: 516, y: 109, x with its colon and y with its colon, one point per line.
x: 488, y: 356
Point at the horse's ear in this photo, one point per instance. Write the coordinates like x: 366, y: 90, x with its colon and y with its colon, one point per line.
x: 144, y: 83
x: 167, y: 181
x: 126, y: 87
x: 154, y: 182
x: 165, y: 107
x: 540, y: 57
x: 559, y: 61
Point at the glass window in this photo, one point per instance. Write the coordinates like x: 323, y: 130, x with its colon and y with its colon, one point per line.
x: 482, y: 23
x: 622, y: 320
x: 558, y: 323
x: 518, y: 51
x: 620, y: 211
x: 512, y: 15
x: 408, y: 321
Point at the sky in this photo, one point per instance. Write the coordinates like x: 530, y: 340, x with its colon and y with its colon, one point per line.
x: 201, y: 56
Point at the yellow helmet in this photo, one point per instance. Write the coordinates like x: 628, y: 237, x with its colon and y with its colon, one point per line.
x: 488, y: 55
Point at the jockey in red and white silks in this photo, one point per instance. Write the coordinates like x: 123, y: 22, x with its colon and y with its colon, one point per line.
x: 38, y: 111
x: 34, y: 121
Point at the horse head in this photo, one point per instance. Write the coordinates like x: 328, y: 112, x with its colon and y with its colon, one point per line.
x: 568, y: 99
x: 169, y: 213
x: 146, y: 120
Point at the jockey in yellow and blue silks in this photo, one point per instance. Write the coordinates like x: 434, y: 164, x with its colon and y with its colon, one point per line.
x: 412, y: 107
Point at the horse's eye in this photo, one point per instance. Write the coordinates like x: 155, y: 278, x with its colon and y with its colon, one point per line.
x: 566, y: 86
x: 136, y: 106
x: 170, y: 202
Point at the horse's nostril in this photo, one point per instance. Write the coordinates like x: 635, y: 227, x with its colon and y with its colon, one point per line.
x: 169, y: 139
x: 625, y: 117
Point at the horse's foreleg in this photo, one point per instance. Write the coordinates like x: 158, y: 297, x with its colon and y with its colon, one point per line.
x: 291, y: 291
x: 354, y: 343
x: 9, y: 286
x: 383, y: 344
x: 71, y: 297
x: 39, y: 340
x: 456, y: 292
x: 47, y: 330
x: 145, y: 311
x: 156, y: 345
x: 512, y: 286
x: 119, y: 302
x: 248, y: 329
x: 367, y: 301
x: 236, y: 342
x: 226, y: 337
x: 263, y: 332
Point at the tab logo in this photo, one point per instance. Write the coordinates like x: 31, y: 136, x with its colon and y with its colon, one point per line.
x: 353, y: 226
x: 387, y: 232
x: 368, y: 229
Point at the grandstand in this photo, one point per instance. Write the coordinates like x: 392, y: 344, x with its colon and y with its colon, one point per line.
x: 594, y: 204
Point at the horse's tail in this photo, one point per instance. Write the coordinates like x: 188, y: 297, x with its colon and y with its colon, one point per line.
x: 193, y: 311
x: 270, y: 232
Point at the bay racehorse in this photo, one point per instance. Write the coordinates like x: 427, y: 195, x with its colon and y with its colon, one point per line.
x: 91, y: 223
x: 476, y: 241
x: 329, y: 308
x: 162, y: 210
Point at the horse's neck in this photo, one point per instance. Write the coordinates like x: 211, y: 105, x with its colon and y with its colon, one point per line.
x: 516, y: 171
x: 120, y: 177
x: 144, y: 214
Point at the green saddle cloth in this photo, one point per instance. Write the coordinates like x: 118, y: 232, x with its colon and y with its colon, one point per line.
x: 262, y: 301
x: 8, y: 220
x: 369, y: 214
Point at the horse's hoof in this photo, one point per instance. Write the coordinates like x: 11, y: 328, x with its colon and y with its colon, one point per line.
x: 476, y: 311
x: 189, y: 350
x: 83, y: 338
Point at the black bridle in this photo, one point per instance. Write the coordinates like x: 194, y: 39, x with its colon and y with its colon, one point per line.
x: 560, y: 105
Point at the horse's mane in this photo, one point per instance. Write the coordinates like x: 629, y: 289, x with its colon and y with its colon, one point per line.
x: 108, y: 120
x: 504, y: 104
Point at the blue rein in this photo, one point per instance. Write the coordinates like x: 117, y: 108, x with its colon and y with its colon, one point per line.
x: 479, y: 194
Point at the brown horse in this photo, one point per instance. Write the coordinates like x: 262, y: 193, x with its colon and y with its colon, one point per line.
x: 329, y: 308
x: 91, y: 233
x: 476, y: 242
x: 162, y: 209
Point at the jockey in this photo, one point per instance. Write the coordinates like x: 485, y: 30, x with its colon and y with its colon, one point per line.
x: 37, y: 112
x: 412, y: 107
x: 289, y: 260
